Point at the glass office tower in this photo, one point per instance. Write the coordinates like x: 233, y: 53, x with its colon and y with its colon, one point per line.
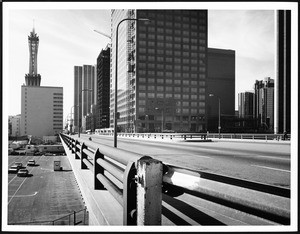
x: 162, y: 68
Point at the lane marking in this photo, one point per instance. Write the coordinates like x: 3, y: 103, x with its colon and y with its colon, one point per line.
x: 266, y: 156
x: 30, y: 195
x: 16, y: 191
x: 271, y: 168
x: 199, y: 156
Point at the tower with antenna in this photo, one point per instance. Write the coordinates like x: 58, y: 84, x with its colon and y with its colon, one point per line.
x: 33, y: 78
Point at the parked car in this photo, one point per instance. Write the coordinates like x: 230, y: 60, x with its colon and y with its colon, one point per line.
x: 31, y: 162
x: 19, y: 164
x: 23, y: 173
x: 13, y: 169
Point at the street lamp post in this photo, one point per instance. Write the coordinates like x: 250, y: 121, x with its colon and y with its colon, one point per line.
x: 79, y: 122
x: 116, y: 78
x: 219, y: 126
x: 73, y: 117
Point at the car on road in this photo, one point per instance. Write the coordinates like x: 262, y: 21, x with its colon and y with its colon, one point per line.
x: 13, y: 169
x: 23, y: 173
x: 31, y: 162
x: 19, y: 164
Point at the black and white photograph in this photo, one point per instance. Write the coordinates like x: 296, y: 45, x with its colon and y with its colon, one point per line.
x: 150, y: 116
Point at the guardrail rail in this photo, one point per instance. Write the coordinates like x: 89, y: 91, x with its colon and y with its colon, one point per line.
x: 139, y: 183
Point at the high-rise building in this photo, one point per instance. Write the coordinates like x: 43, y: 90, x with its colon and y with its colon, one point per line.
x: 283, y: 73
x: 103, y: 89
x: 77, y: 97
x: 14, y: 125
x: 245, y: 104
x: 264, y: 103
x: 84, y: 93
x: 162, y: 70
x: 41, y: 106
x: 220, y: 84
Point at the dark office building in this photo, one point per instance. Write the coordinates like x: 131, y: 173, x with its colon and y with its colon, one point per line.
x: 220, y: 84
x: 103, y: 89
x: 245, y: 104
x: 283, y: 75
x: 163, y: 87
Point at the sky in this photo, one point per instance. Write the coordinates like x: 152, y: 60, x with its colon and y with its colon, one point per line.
x: 67, y: 39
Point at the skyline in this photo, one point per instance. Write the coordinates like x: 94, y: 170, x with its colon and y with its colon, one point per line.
x: 67, y: 39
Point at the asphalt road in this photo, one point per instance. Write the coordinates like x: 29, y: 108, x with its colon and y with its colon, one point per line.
x: 263, y: 162
x: 45, y: 195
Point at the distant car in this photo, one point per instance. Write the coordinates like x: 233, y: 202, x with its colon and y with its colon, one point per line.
x: 13, y: 169
x: 19, y: 164
x: 31, y: 162
x: 23, y: 173
x: 48, y: 154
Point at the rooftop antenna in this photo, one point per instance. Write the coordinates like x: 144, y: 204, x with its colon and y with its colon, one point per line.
x: 33, y: 27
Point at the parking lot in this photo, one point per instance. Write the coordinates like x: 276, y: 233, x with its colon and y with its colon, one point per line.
x: 43, y: 195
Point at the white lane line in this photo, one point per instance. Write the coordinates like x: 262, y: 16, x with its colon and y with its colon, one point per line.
x: 271, y: 168
x: 16, y: 191
x: 199, y: 156
x: 12, y: 179
x: 266, y: 156
x: 30, y: 195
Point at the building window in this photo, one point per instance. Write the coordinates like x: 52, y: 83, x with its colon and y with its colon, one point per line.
x: 151, y: 87
x: 160, y: 95
x: 169, y: 89
x: 160, y: 88
x: 169, y: 81
x: 160, y: 81
x: 151, y: 95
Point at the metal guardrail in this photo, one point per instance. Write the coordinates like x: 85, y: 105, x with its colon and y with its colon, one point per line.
x: 116, y: 170
x: 137, y: 183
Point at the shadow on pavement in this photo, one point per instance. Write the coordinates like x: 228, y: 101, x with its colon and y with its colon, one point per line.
x: 187, y: 210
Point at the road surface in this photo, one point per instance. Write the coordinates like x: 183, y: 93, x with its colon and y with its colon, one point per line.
x: 263, y: 162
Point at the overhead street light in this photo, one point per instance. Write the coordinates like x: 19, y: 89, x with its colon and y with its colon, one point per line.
x: 116, y: 77
x: 104, y: 34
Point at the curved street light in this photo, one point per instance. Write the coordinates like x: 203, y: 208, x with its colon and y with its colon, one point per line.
x: 116, y: 77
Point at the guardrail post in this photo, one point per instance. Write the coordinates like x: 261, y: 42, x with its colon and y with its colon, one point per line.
x: 83, y: 156
x: 98, y: 170
x: 129, y: 195
x: 72, y: 146
x: 149, y: 191
x: 76, y: 149
x: 69, y: 143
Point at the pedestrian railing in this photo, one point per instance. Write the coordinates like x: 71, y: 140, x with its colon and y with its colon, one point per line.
x: 251, y: 136
x: 140, y: 184
x: 207, y: 136
x: 74, y: 218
